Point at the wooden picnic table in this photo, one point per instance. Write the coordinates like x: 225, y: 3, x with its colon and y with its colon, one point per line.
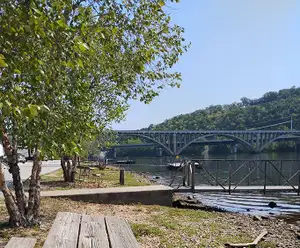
x: 73, y: 230
x: 18, y: 242
x: 84, y: 171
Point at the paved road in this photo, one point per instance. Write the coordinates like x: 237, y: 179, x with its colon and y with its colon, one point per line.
x: 25, y: 168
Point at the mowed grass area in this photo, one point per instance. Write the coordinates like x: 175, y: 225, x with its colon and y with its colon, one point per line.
x: 154, y: 226
x: 109, y: 177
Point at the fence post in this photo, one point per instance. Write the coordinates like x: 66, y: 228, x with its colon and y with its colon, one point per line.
x: 189, y: 174
x: 217, y: 173
x: 280, y: 172
x: 249, y: 173
x: 229, y: 179
x: 122, y: 178
x: 265, y: 179
x: 193, y: 176
x: 184, y: 175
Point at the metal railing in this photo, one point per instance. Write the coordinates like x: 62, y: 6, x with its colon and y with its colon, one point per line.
x: 231, y: 174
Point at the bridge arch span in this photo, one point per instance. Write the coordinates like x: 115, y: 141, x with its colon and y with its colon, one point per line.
x: 154, y: 141
x: 281, y: 137
x: 237, y: 139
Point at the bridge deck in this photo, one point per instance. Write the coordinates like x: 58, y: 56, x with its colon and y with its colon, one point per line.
x: 199, y: 189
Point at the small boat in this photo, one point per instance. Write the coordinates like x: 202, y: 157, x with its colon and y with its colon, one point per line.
x: 127, y: 161
x: 177, y: 165
x: 174, y: 166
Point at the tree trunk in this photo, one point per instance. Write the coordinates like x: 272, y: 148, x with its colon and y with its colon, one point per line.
x: 12, y: 208
x: 17, y: 218
x: 75, y: 161
x: 34, y: 191
x: 21, y: 214
x: 69, y: 168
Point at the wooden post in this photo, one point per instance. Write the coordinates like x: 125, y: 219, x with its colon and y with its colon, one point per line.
x: 299, y: 179
x: 265, y: 179
x: 122, y: 181
x: 280, y: 172
x: 217, y: 173
x: 193, y: 176
x: 229, y: 179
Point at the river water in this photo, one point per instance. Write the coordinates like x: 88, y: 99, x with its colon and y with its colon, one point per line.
x: 218, y: 171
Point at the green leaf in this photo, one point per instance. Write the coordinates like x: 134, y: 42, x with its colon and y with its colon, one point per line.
x: 70, y: 64
x: 18, y: 88
x: 8, y: 103
x: 1, y: 105
x: 2, y: 63
x: 161, y: 3
x: 33, y: 110
x: 17, y: 71
x: 79, y: 62
x: 82, y: 46
x: 114, y: 30
x: 17, y: 111
x: 61, y: 23
x: 45, y: 107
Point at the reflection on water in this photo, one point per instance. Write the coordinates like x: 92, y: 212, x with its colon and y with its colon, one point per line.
x: 252, y: 203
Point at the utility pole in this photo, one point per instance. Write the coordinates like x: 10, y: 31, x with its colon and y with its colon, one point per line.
x: 291, y: 122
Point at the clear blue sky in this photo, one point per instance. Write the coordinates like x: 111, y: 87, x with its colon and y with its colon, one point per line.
x: 239, y: 48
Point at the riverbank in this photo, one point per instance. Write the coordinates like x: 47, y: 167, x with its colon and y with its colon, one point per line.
x: 163, y: 227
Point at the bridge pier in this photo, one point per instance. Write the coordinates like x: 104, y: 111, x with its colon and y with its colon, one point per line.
x: 233, y: 148
x: 159, y: 152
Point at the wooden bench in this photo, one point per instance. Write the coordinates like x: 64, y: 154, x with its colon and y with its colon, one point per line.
x: 72, y: 230
x: 16, y: 242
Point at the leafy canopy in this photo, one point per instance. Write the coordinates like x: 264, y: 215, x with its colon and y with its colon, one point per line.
x: 68, y: 67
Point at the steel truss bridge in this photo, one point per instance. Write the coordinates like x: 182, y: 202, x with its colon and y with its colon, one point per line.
x: 174, y: 142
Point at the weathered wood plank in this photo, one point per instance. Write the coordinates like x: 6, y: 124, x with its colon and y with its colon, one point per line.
x: 120, y: 234
x: 15, y: 242
x: 64, y: 231
x: 93, y: 232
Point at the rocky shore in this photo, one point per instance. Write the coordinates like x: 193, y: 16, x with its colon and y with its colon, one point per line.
x: 283, y: 231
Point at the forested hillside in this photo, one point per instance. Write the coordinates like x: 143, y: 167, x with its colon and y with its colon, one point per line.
x: 271, y: 108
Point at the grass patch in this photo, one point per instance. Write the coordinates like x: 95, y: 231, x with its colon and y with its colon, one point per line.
x: 265, y: 244
x: 109, y: 177
x: 165, y: 222
x: 145, y: 230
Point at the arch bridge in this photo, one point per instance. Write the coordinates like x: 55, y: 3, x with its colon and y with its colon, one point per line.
x: 174, y: 142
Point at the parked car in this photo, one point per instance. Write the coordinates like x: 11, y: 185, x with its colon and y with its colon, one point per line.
x: 21, y: 158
